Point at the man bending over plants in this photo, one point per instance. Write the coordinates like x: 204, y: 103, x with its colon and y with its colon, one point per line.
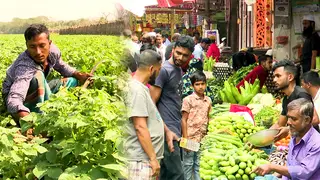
x: 25, y: 84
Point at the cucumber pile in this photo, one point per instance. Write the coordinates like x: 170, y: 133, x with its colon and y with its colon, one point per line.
x: 219, y: 108
x: 233, y: 124
x: 245, y: 129
x: 224, y: 157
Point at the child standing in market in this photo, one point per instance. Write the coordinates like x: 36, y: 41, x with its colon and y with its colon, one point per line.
x: 195, y: 118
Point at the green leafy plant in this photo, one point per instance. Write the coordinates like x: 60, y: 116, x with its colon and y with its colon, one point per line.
x: 78, y: 135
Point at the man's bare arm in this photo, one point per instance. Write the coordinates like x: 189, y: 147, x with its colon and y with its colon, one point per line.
x: 140, y: 125
x: 155, y: 93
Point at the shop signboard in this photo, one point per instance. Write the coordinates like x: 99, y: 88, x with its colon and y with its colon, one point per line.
x: 214, y: 32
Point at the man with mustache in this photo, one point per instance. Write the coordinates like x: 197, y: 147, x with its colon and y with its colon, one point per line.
x: 311, y: 45
x: 285, y: 75
x: 25, y: 84
x: 166, y: 93
x: 144, y: 137
x: 304, y: 147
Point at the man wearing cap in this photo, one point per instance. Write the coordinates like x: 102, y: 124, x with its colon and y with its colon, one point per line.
x: 311, y: 45
x: 261, y: 72
x: 222, y: 44
x: 200, y: 48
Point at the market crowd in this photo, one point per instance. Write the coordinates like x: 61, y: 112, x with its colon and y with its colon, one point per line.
x: 159, y: 117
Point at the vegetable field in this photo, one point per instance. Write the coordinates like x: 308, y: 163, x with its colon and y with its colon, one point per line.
x: 78, y: 135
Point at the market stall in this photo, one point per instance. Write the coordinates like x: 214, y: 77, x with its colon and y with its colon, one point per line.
x: 237, y: 117
x: 225, y: 153
x: 181, y: 19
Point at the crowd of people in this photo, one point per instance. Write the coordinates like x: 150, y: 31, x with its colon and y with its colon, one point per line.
x: 158, y: 115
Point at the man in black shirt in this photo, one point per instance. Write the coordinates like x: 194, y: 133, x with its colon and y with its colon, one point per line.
x: 311, y: 45
x: 285, y: 74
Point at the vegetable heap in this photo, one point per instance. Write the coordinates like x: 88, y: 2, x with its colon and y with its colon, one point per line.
x: 231, y: 94
x: 223, y: 154
x: 208, y: 63
x: 240, y: 74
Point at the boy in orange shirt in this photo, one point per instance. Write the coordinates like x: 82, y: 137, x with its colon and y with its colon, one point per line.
x: 195, y: 118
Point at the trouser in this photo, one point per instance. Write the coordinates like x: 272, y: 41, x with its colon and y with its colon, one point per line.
x: 40, y: 90
x: 171, y: 165
x: 191, y: 165
x: 139, y: 170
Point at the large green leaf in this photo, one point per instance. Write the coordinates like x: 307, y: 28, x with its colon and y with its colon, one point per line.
x: 40, y: 170
x: 54, y: 173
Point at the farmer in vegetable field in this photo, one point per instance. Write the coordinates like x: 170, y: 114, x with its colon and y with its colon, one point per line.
x: 166, y: 93
x: 285, y: 75
x: 200, y: 48
x: 25, y: 84
x: 261, y: 72
x: 144, y: 137
x: 304, y: 147
x: 195, y: 118
x: 311, y: 83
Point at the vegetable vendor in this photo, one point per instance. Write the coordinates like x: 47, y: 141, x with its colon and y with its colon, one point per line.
x: 304, y: 147
x: 285, y: 75
x: 261, y: 71
x: 25, y: 84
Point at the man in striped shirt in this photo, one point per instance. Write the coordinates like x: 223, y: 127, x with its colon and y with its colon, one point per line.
x: 25, y: 84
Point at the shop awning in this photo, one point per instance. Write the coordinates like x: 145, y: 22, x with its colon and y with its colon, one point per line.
x: 171, y: 3
x: 138, y: 8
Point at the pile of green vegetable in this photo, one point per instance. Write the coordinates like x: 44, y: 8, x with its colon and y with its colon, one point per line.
x: 215, y: 85
x: 231, y: 94
x: 267, y: 117
x: 208, y: 63
x: 233, y: 124
x: 240, y: 74
x: 219, y: 108
x: 223, y: 154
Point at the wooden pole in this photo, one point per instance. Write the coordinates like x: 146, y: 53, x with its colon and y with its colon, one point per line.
x: 234, y: 28
x: 172, y: 22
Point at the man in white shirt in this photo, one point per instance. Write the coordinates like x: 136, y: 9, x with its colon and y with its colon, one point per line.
x: 311, y: 83
x: 161, y: 48
x: 166, y: 41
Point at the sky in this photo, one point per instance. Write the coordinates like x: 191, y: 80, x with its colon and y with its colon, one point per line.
x: 65, y: 9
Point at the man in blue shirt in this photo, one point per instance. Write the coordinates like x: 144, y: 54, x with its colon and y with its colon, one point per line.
x: 200, y: 48
x: 166, y: 93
